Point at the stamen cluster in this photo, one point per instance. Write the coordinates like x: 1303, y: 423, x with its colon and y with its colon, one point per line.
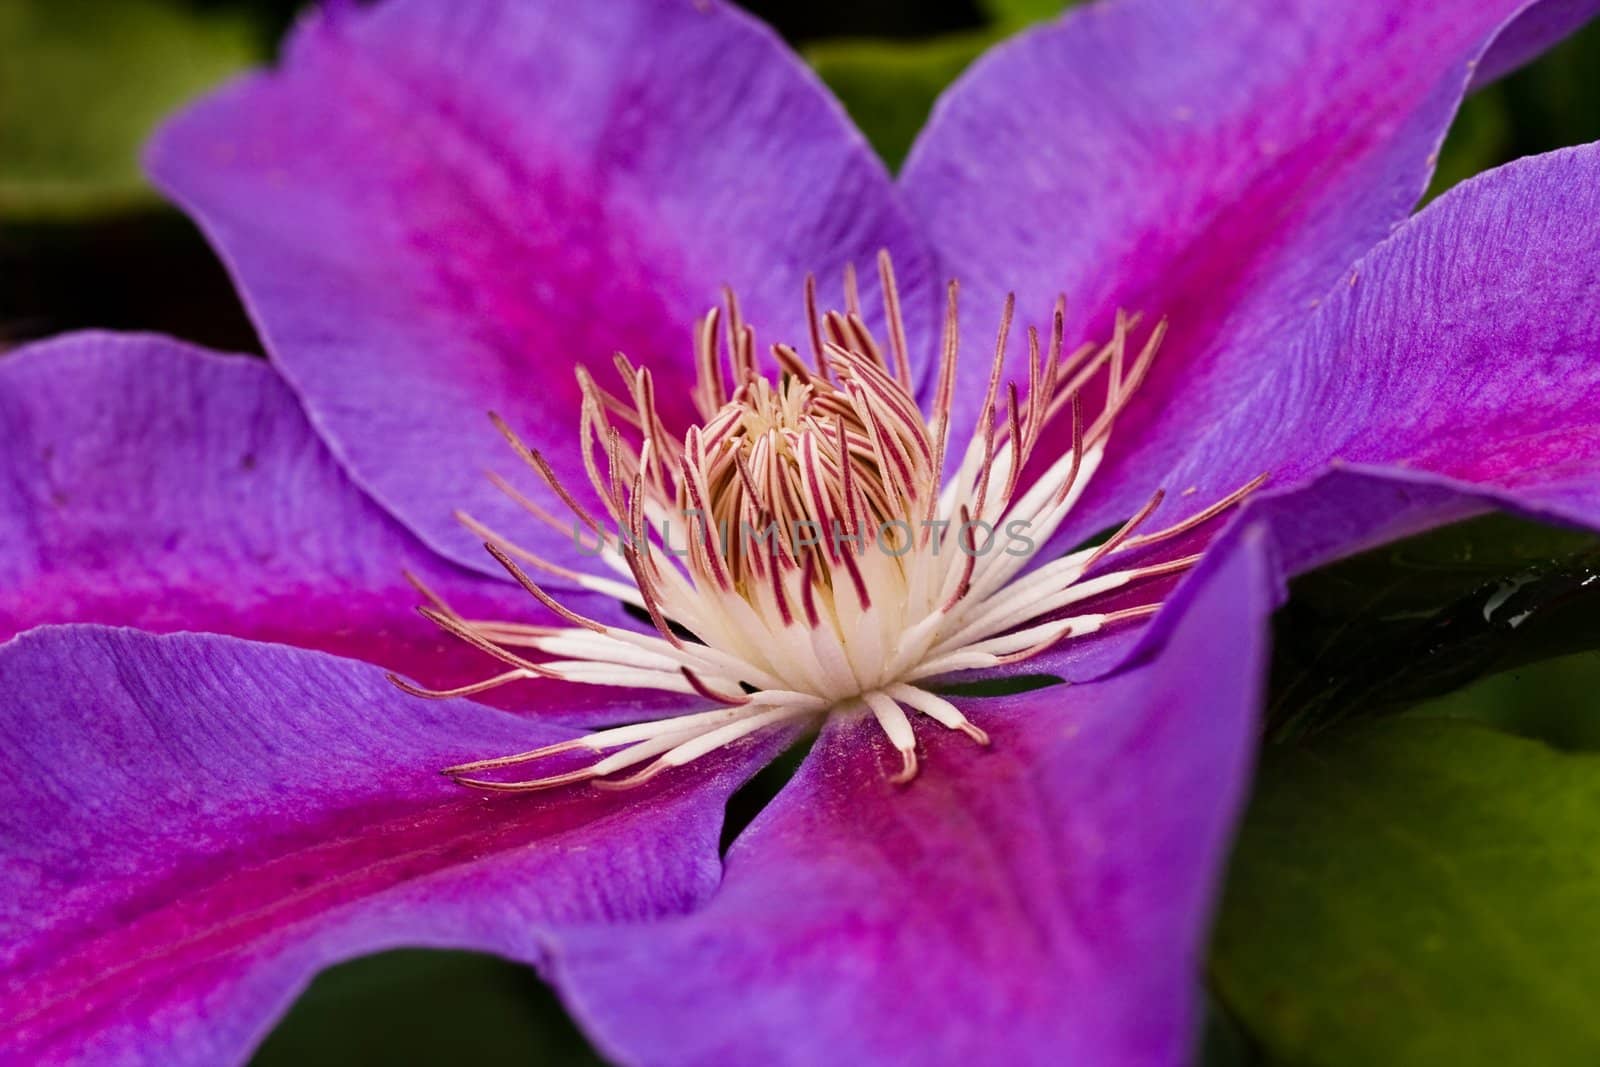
x: 796, y: 552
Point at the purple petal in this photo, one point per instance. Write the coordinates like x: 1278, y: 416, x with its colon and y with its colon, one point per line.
x: 1351, y: 508
x: 1529, y: 33
x: 193, y: 826
x: 437, y: 209
x: 1217, y: 165
x: 147, y: 483
x: 1462, y: 356
x: 1045, y: 901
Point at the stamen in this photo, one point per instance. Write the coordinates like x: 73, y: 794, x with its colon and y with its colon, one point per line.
x: 460, y: 690
x: 897, y: 728
x: 826, y: 563
x: 540, y: 464
x: 695, y: 747
x: 938, y: 709
x: 532, y: 587
x: 814, y: 324
x: 711, y: 694
x: 1126, y: 529
x: 1199, y: 518
x: 897, y: 327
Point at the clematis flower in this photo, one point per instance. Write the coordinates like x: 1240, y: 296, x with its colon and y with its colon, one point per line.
x: 211, y: 788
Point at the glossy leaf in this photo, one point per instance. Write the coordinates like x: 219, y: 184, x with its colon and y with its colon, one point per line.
x: 1417, y: 892
x: 1382, y: 631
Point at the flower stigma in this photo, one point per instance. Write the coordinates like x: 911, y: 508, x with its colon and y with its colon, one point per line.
x: 799, y: 553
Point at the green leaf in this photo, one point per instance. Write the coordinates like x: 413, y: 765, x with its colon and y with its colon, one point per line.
x: 998, y: 687
x: 1223, y: 1042
x: 1017, y: 13
x: 1554, y: 702
x: 889, y: 86
x: 1380, y: 632
x: 419, y: 1006
x: 1419, y: 892
x: 1479, y: 138
x: 83, y: 84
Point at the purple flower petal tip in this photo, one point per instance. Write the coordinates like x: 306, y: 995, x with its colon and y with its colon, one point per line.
x: 145, y: 482
x: 1223, y: 187
x: 507, y: 192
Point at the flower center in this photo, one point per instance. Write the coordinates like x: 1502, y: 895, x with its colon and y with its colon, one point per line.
x: 796, y: 551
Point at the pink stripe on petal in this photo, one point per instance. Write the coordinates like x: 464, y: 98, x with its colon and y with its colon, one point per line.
x: 1463, y: 354
x: 148, y: 483
x: 191, y: 827
x: 1045, y: 900
x: 1218, y: 165
x: 438, y: 209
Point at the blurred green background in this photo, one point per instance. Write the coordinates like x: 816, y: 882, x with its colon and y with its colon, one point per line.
x: 1418, y: 877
